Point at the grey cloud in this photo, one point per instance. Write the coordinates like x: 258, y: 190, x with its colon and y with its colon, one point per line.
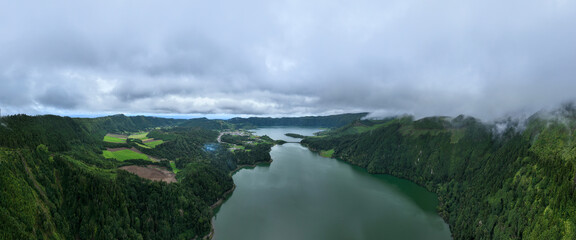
x: 13, y: 89
x: 481, y: 58
x: 60, y: 98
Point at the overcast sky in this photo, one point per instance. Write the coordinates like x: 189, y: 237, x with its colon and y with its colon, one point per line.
x: 484, y: 58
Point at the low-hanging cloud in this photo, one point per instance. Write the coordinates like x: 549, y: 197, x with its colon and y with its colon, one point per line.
x: 481, y: 58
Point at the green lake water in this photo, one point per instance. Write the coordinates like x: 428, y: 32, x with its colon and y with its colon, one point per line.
x: 302, y: 195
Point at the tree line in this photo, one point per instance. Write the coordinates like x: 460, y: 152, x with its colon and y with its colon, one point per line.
x: 492, y: 184
x: 55, y: 183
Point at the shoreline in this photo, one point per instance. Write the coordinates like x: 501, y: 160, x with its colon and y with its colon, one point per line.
x: 226, y: 194
x: 218, y: 203
x: 224, y: 197
x: 442, y: 214
x: 240, y: 167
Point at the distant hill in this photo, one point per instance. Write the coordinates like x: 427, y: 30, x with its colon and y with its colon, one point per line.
x: 206, y: 123
x: 310, y: 121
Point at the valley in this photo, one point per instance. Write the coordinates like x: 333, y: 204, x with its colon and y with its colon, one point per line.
x: 73, y: 177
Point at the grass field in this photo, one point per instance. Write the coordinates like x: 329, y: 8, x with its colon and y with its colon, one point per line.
x: 327, y: 154
x: 124, y: 155
x: 142, y: 145
x: 141, y: 136
x: 173, y: 165
x: 153, y: 144
x: 114, y: 139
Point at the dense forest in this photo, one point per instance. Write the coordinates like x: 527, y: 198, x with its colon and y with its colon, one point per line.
x: 507, y: 180
x: 253, y: 150
x: 56, y: 184
x: 207, y: 124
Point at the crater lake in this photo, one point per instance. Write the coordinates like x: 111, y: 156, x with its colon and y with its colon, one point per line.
x: 302, y: 195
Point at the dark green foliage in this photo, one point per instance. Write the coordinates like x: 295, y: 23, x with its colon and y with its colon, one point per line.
x: 205, y: 181
x: 431, y: 123
x: 253, y: 154
x: 133, y: 141
x: 254, y: 150
x: 491, y: 184
x: 126, y: 206
x: 294, y: 135
x: 63, y: 133
x: 235, y: 139
x: 358, y: 126
x: 266, y: 138
x: 55, y: 184
x: 191, y: 145
x: 184, y: 145
x: 162, y: 135
x: 26, y: 131
x: 120, y: 123
x: 280, y: 142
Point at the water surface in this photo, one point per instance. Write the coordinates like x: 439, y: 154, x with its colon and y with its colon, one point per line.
x: 302, y: 195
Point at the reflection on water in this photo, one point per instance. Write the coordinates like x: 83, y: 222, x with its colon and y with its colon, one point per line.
x: 304, y: 196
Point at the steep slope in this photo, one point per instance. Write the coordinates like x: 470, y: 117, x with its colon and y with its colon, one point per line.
x: 55, y: 184
x: 493, y: 182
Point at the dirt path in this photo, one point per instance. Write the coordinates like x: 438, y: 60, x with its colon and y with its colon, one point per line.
x: 133, y: 149
x: 116, y: 149
x: 136, y: 150
x: 152, y: 172
x: 220, y: 137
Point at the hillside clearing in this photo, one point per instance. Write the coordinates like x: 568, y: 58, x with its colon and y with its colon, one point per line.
x: 153, y: 143
x: 151, y: 172
x: 141, y: 135
x: 114, y: 138
x: 123, y: 154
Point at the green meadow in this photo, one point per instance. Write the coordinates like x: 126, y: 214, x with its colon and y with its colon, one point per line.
x: 143, y: 146
x: 327, y: 153
x: 173, y: 166
x: 143, y: 136
x: 153, y: 144
x: 124, y: 155
x: 140, y: 135
x: 114, y: 139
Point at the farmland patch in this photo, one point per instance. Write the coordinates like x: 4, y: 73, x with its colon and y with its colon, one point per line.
x: 123, y: 154
x: 154, y: 173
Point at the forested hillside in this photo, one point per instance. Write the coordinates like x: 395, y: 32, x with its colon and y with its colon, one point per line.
x: 508, y: 180
x: 55, y: 183
x: 494, y: 181
x: 207, y: 124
